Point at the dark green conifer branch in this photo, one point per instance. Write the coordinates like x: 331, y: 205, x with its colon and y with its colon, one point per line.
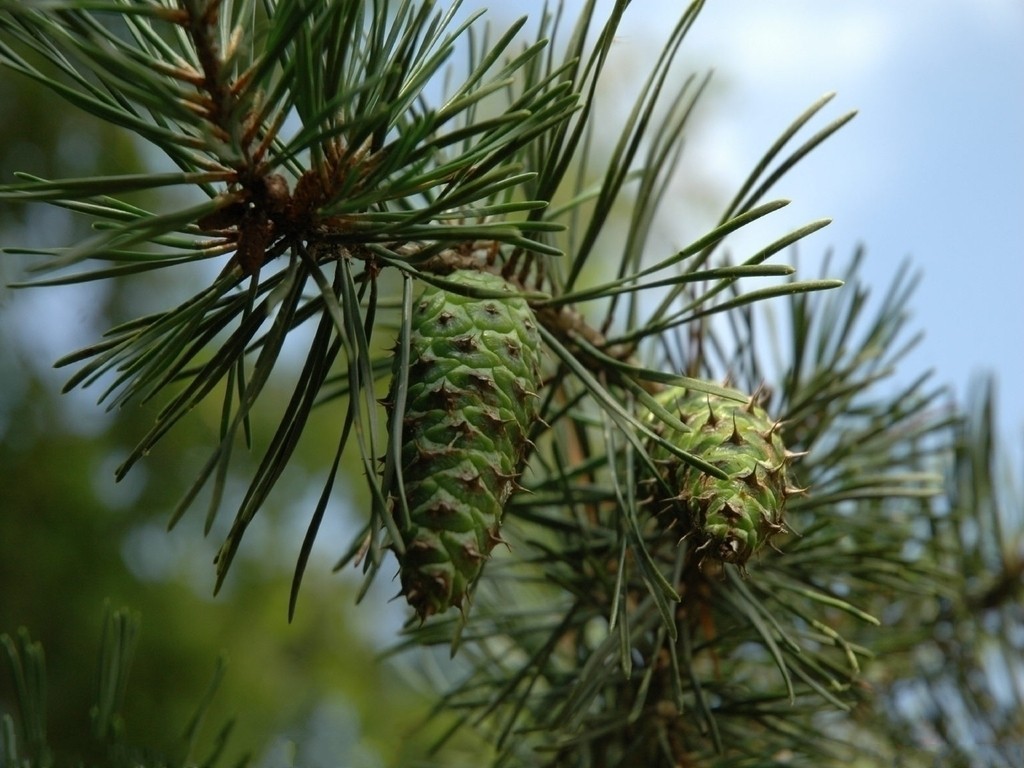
x: 949, y: 691
x: 703, y: 538
x: 596, y: 664
x: 318, y: 162
x: 372, y: 173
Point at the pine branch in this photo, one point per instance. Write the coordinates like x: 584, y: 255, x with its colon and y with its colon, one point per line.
x: 950, y: 690
x: 441, y: 251
x: 320, y: 166
x: 742, y: 665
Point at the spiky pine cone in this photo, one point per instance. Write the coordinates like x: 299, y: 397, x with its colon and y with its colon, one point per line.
x: 728, y: 519
x: 471, y: 400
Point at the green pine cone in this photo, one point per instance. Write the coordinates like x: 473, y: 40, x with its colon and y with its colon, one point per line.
x: 474, y: 371
x: 731, y: 519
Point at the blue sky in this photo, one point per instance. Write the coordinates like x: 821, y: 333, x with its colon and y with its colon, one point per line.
x: 932, y: 168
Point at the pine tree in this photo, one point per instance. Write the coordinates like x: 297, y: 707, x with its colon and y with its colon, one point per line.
x: 642, y: 538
